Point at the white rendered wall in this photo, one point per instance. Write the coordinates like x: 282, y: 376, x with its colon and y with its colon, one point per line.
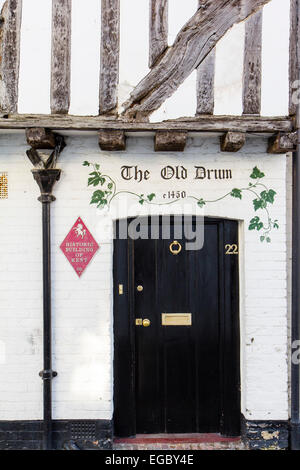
x: 21, y: 321
x: 82, y: 308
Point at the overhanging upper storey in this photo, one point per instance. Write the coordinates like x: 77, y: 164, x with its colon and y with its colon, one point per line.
x: 219, y: 50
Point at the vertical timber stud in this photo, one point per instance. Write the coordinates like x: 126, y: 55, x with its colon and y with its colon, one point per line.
x: 206, y: 81
x: 46, y: 176
x: 60, y: 56
x: 10, y: 28
x: 109, y: 58
x: 294, y: 57
x: 252, y: 64
x: 158, y: 32
x: 295, y: 387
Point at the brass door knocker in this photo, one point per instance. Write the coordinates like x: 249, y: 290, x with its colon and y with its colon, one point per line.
x: 175, y: 247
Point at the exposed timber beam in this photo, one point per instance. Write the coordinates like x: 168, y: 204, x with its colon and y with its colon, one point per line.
x: 109, y: 57
x: 170, y: 141
x: 10, y: 30
x: 252, y: 64
x: 60, y: 56
x: 40, y: 138
x: 233, y: 141
x: 205, y: 84
x: 294, y: 57
x: 257, y: 124
x: 205, y: 81
x: 158, y: 27
x: 283, y: 143
x: 112, y: 140
x: 193, y: 42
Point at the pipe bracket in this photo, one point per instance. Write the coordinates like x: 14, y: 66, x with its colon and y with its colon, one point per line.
x: 47, y: 374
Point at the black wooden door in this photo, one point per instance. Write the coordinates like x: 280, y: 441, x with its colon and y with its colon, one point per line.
x: 177, y: 378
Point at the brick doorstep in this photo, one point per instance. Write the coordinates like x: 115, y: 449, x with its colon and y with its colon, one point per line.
x: 183, y: 446
x: 179, y: 442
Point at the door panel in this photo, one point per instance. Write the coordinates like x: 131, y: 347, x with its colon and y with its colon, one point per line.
x: 180, y: 373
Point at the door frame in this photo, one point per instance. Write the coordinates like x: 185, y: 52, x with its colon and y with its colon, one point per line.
x: 124, y: 417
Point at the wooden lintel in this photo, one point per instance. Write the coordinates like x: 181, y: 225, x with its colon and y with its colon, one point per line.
x: 170, y: 141
x: 233, y: 141
x: 112, y: 140
x: 257, y: 124
x: 40, y: 138
x: 283, y: 143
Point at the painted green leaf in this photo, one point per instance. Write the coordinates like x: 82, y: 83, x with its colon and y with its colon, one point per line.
x: 259, y: 204
x: 268, y: 240
x: 262, y: 239
x: 110, y: 185
x: 97, y: 196
x: 236, y: 193
x: 275, y: 224
x: 97, y: 166
x: 268, y: 196
x: 151, y: 196
x: 94, y: 179
x: 141, y: 201
x: 102, y: 203
x: 255, y: 224
x: 201, y: 202
x: 86, y: 163
x: 256, y: 173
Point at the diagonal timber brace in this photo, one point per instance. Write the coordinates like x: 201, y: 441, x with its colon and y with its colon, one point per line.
x: 192, y: 44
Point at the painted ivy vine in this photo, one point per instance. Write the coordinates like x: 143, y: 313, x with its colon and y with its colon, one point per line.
x: 263, y: 197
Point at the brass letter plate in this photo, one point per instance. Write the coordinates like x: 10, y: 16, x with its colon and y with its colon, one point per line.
x: 176, y: 319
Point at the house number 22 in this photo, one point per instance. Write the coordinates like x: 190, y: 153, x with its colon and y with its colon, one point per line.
x: 231, y: 249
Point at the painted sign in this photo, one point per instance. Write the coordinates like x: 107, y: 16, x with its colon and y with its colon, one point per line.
x: 262, y: 196
x: 3, y: 186
x: 79, y: 246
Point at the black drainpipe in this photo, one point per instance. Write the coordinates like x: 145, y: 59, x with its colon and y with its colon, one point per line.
x: 295, y: 387
x: 295, y: 390
x: 46, y: 180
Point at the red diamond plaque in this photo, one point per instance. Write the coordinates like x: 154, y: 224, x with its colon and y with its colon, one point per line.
x: 79, y: 246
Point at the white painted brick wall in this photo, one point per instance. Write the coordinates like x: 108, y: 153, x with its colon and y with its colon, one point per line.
x: 82, y: 308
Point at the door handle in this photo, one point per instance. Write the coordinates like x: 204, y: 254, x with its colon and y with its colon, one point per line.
x: 142, y: 322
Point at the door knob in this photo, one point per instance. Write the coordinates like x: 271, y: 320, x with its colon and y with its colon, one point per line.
x: 146, y: 322
x: 139, y: 288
